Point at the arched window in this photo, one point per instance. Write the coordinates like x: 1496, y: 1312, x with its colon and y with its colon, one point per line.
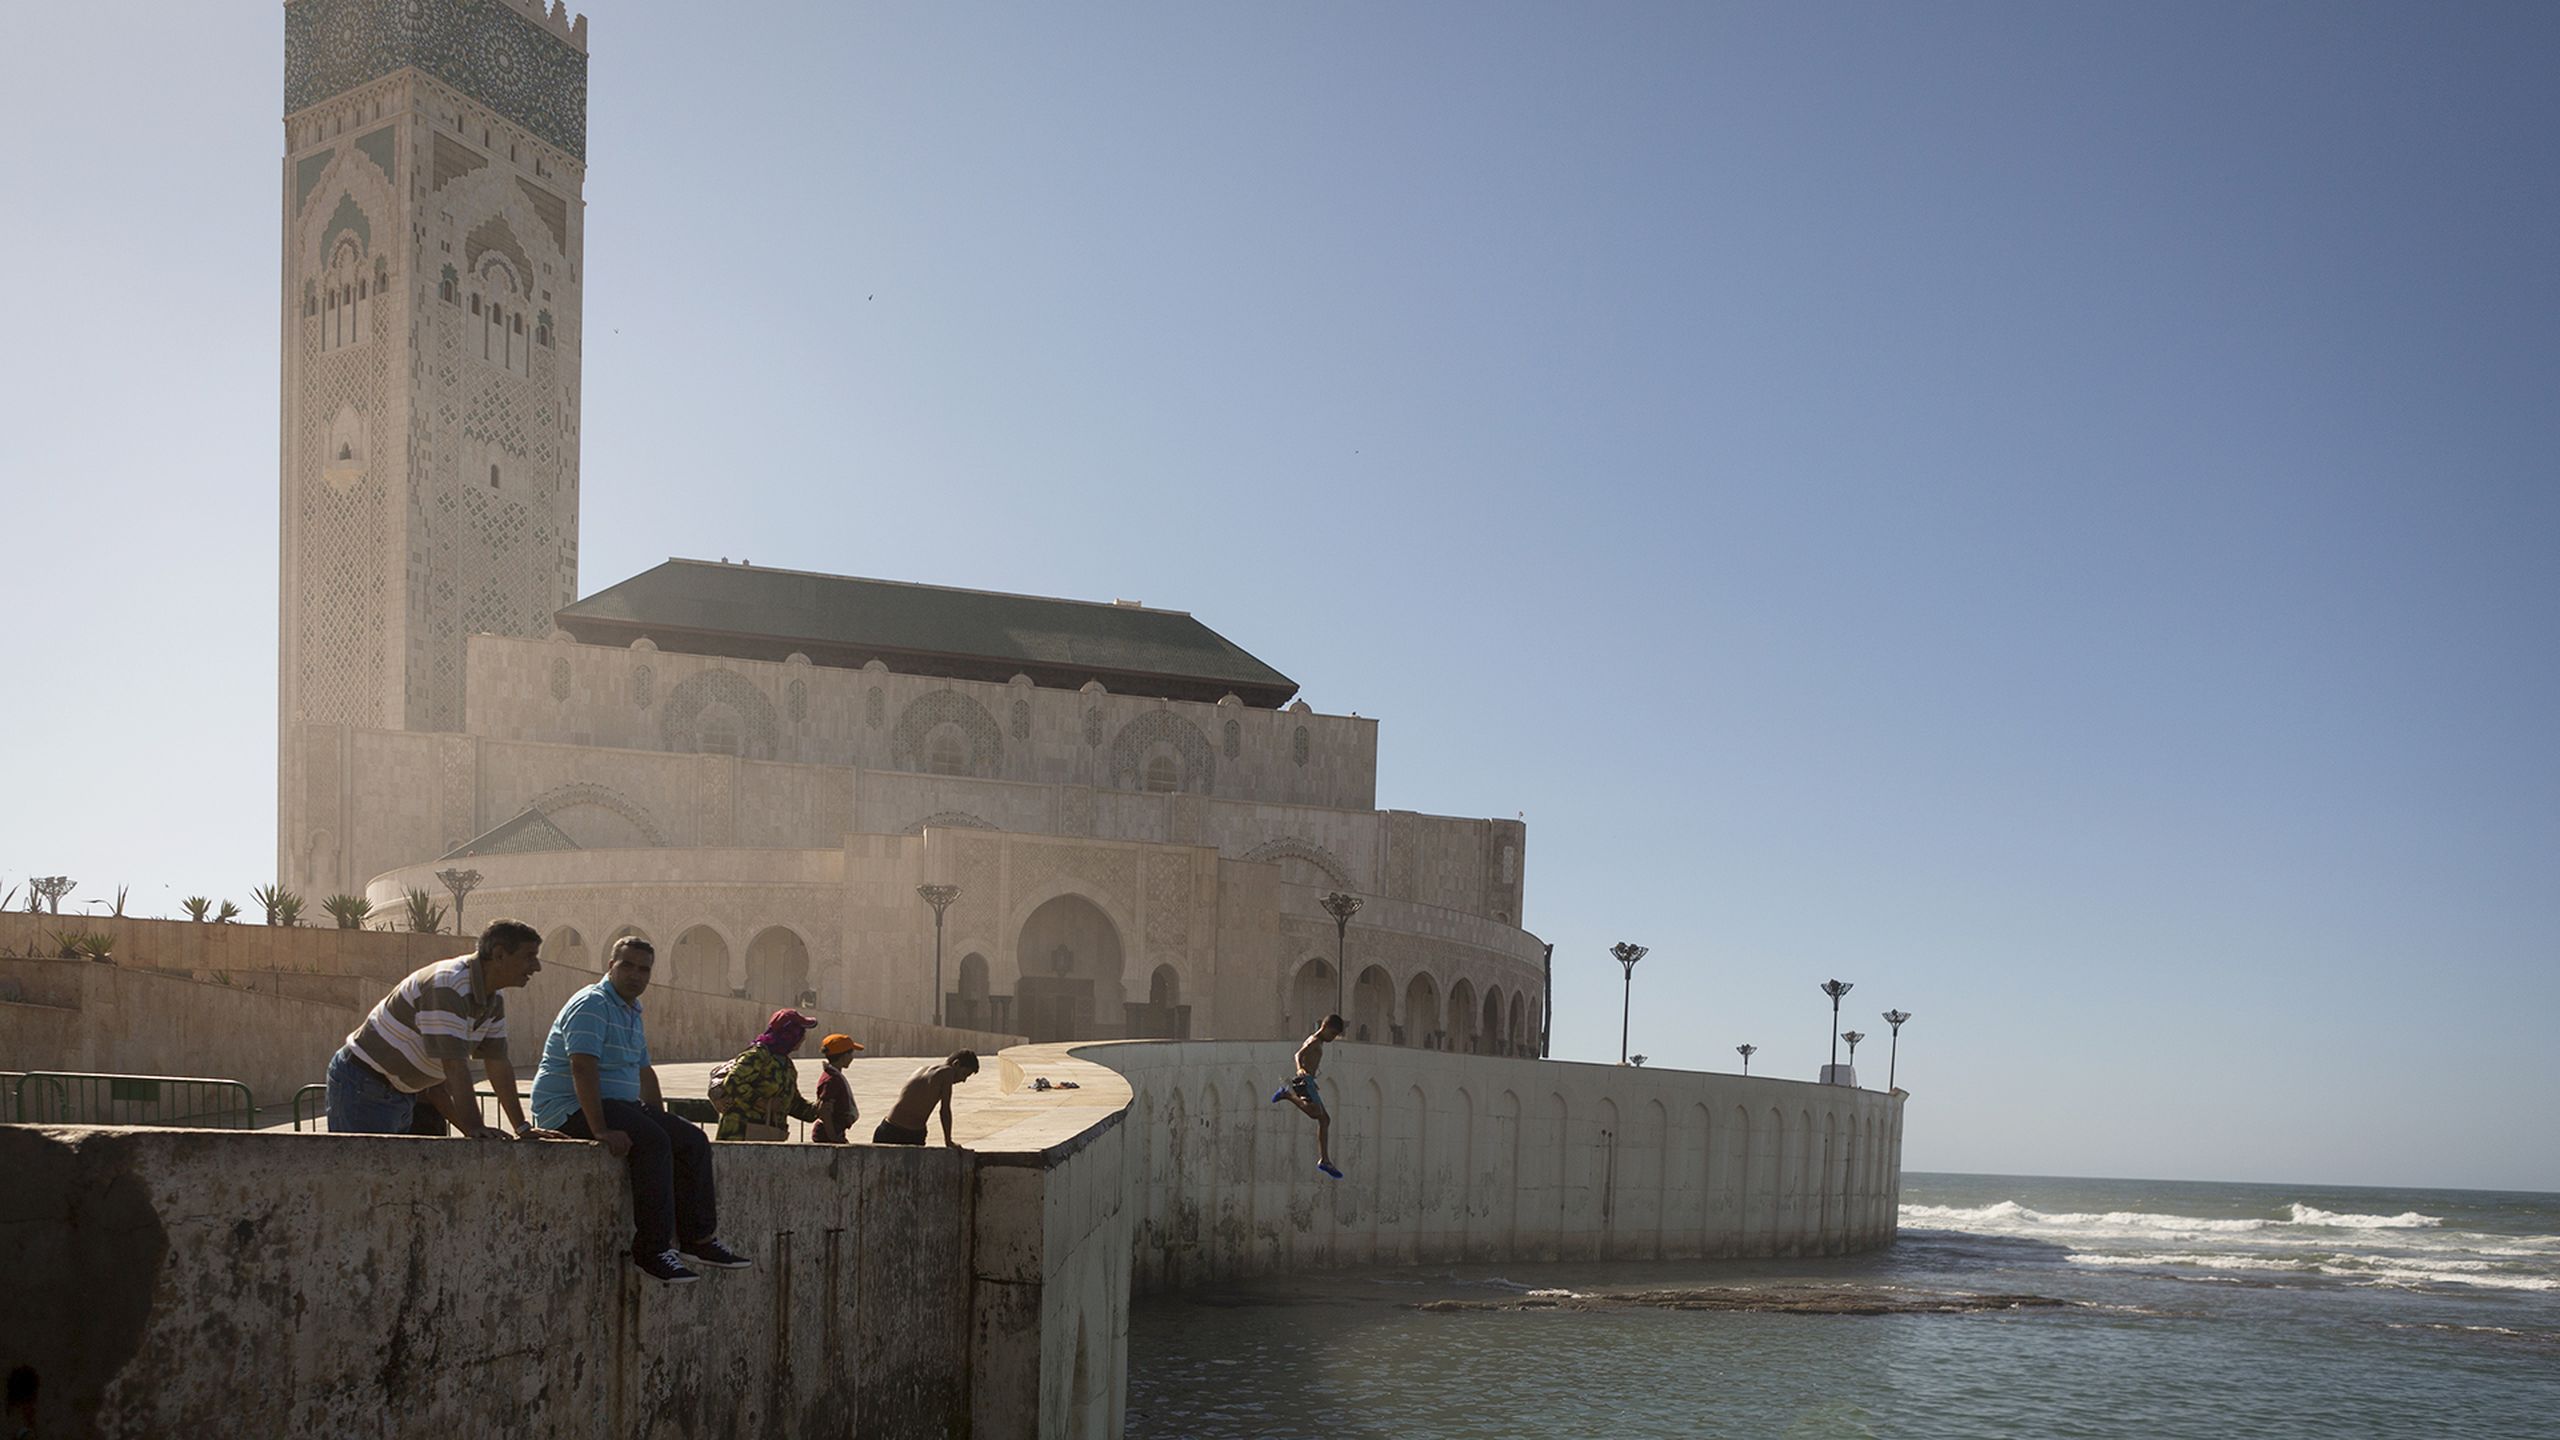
x: 717, y: 734
x: 1163, y: 776
x: 947, y: 752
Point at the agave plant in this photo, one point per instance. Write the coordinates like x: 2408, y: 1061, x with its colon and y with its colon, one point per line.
x: 350, y: 911
x: 197, y: 907
x: 283, y: 907
x: 121, y: 892
x: 85, y: 944
x: 426, y: 917
x: 228, y: 914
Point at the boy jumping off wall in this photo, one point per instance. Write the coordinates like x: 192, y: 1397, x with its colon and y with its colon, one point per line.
x: 1301, y: 1090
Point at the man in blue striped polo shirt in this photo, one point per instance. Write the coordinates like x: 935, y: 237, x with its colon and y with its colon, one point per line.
x: 596, y: 1083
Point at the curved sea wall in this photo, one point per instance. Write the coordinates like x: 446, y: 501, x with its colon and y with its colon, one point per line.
x: 175, y: 1281
x: 1460, y: 1157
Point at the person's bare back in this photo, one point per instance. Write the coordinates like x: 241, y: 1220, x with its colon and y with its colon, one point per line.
x: 926, y: 1091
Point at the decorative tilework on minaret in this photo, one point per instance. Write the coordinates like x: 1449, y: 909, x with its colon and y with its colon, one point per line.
x: 434, y: 234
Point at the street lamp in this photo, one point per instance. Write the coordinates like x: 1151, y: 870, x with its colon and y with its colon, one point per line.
x: 1835, y: 989
x: 1627, y: 955
x: 1894, y: 1018
x: 940, y: 898
x: 1341, y: 905
x: 461, y: 882
x: 1853, y: 1037
x: 1746, y: 1052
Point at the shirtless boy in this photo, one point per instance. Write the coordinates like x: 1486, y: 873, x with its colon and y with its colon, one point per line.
x: 1301, y: 1090
x: 925, y: 1089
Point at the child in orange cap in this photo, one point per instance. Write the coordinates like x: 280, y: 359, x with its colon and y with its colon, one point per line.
x: 836, y: 1111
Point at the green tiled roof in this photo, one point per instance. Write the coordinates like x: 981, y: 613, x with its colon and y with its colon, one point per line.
x: 751, y: 612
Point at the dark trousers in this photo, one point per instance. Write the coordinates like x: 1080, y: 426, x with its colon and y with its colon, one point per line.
x: 670, y: 1164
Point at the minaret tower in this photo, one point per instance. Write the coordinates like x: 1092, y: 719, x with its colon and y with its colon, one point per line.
x: 434, y: 239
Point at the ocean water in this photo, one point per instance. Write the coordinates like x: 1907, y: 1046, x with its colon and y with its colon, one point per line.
x: 2194, y: 1310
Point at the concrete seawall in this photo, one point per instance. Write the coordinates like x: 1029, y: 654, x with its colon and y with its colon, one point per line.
x: 168, y: 1282
x: 1459, y: 1157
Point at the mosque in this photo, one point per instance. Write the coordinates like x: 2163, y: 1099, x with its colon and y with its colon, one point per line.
x: 767, y: 772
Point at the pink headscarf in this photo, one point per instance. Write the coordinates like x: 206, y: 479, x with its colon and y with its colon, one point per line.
x: 782, y: 1033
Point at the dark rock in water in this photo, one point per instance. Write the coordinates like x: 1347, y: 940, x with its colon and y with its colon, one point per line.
x: 1774, y: 1299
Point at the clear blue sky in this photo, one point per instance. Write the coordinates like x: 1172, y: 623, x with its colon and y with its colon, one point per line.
x: 2047, y: 512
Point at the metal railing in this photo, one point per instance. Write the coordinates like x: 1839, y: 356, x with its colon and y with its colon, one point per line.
x: 311, y: 1107
x: 67, y: 1098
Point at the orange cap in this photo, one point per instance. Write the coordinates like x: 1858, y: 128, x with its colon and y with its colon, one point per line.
x: 834, y: 1043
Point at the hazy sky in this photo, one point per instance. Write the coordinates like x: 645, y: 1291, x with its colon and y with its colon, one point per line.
x: 2047, y: 512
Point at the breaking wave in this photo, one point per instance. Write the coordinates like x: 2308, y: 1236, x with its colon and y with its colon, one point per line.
x: 2410, y: 1250
x: 2008, y: 1217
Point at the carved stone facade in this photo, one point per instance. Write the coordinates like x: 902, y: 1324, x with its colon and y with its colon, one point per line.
x: 431, y: 322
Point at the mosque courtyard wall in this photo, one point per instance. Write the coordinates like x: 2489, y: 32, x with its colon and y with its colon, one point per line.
x: 267, y: 1005
x: 1173, y: 941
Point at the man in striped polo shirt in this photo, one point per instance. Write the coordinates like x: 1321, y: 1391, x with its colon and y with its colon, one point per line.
x: 418, y: 1044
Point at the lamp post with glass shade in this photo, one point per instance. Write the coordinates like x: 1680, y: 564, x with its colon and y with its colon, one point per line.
x: 1853, y: 1037
x: 940, y: 898
x: 1894, y: 1018
x: 1835, y: 989
x: 1341, y: 905
x: 461, y: 882
x: 1746, y: 1052
x: 1627, y: 955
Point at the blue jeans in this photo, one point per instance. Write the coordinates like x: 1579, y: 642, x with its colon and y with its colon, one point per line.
x: 361, y: 1102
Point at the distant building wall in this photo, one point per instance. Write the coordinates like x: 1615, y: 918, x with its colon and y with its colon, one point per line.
x: 642, y: 698
x: 267, y: 1005
x: 1235, y: 949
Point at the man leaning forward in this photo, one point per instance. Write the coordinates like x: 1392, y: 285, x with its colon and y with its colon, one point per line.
x: 417, y: 1044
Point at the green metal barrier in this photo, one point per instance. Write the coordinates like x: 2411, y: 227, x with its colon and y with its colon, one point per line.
x: 64, y: 1098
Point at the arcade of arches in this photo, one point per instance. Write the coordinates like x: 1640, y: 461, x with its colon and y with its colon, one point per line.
x: 1496, y: 1024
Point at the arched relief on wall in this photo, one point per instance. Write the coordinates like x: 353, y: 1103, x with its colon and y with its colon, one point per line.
x: 950, y: 820
x: 907, y: 750
x: 1290, y: 847
x: 698, y: 960
x: 320, y: 859
x: 552, y: 803
x: 691, y: 712
x: 774, y: 968
x: 1129, y: 749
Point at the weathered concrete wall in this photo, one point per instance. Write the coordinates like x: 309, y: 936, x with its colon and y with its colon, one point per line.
x: 1459, y: 1157
x: 170, y: 1282
x: 205, y: 1283
x: 317, y: 948
x: 107, y: 1018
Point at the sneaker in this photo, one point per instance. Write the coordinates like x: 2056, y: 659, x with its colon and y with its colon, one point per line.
x: 716, y: 1255
x: 1327, y: 1167
x: 1280, y: 1094
x: 665, y: 1267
